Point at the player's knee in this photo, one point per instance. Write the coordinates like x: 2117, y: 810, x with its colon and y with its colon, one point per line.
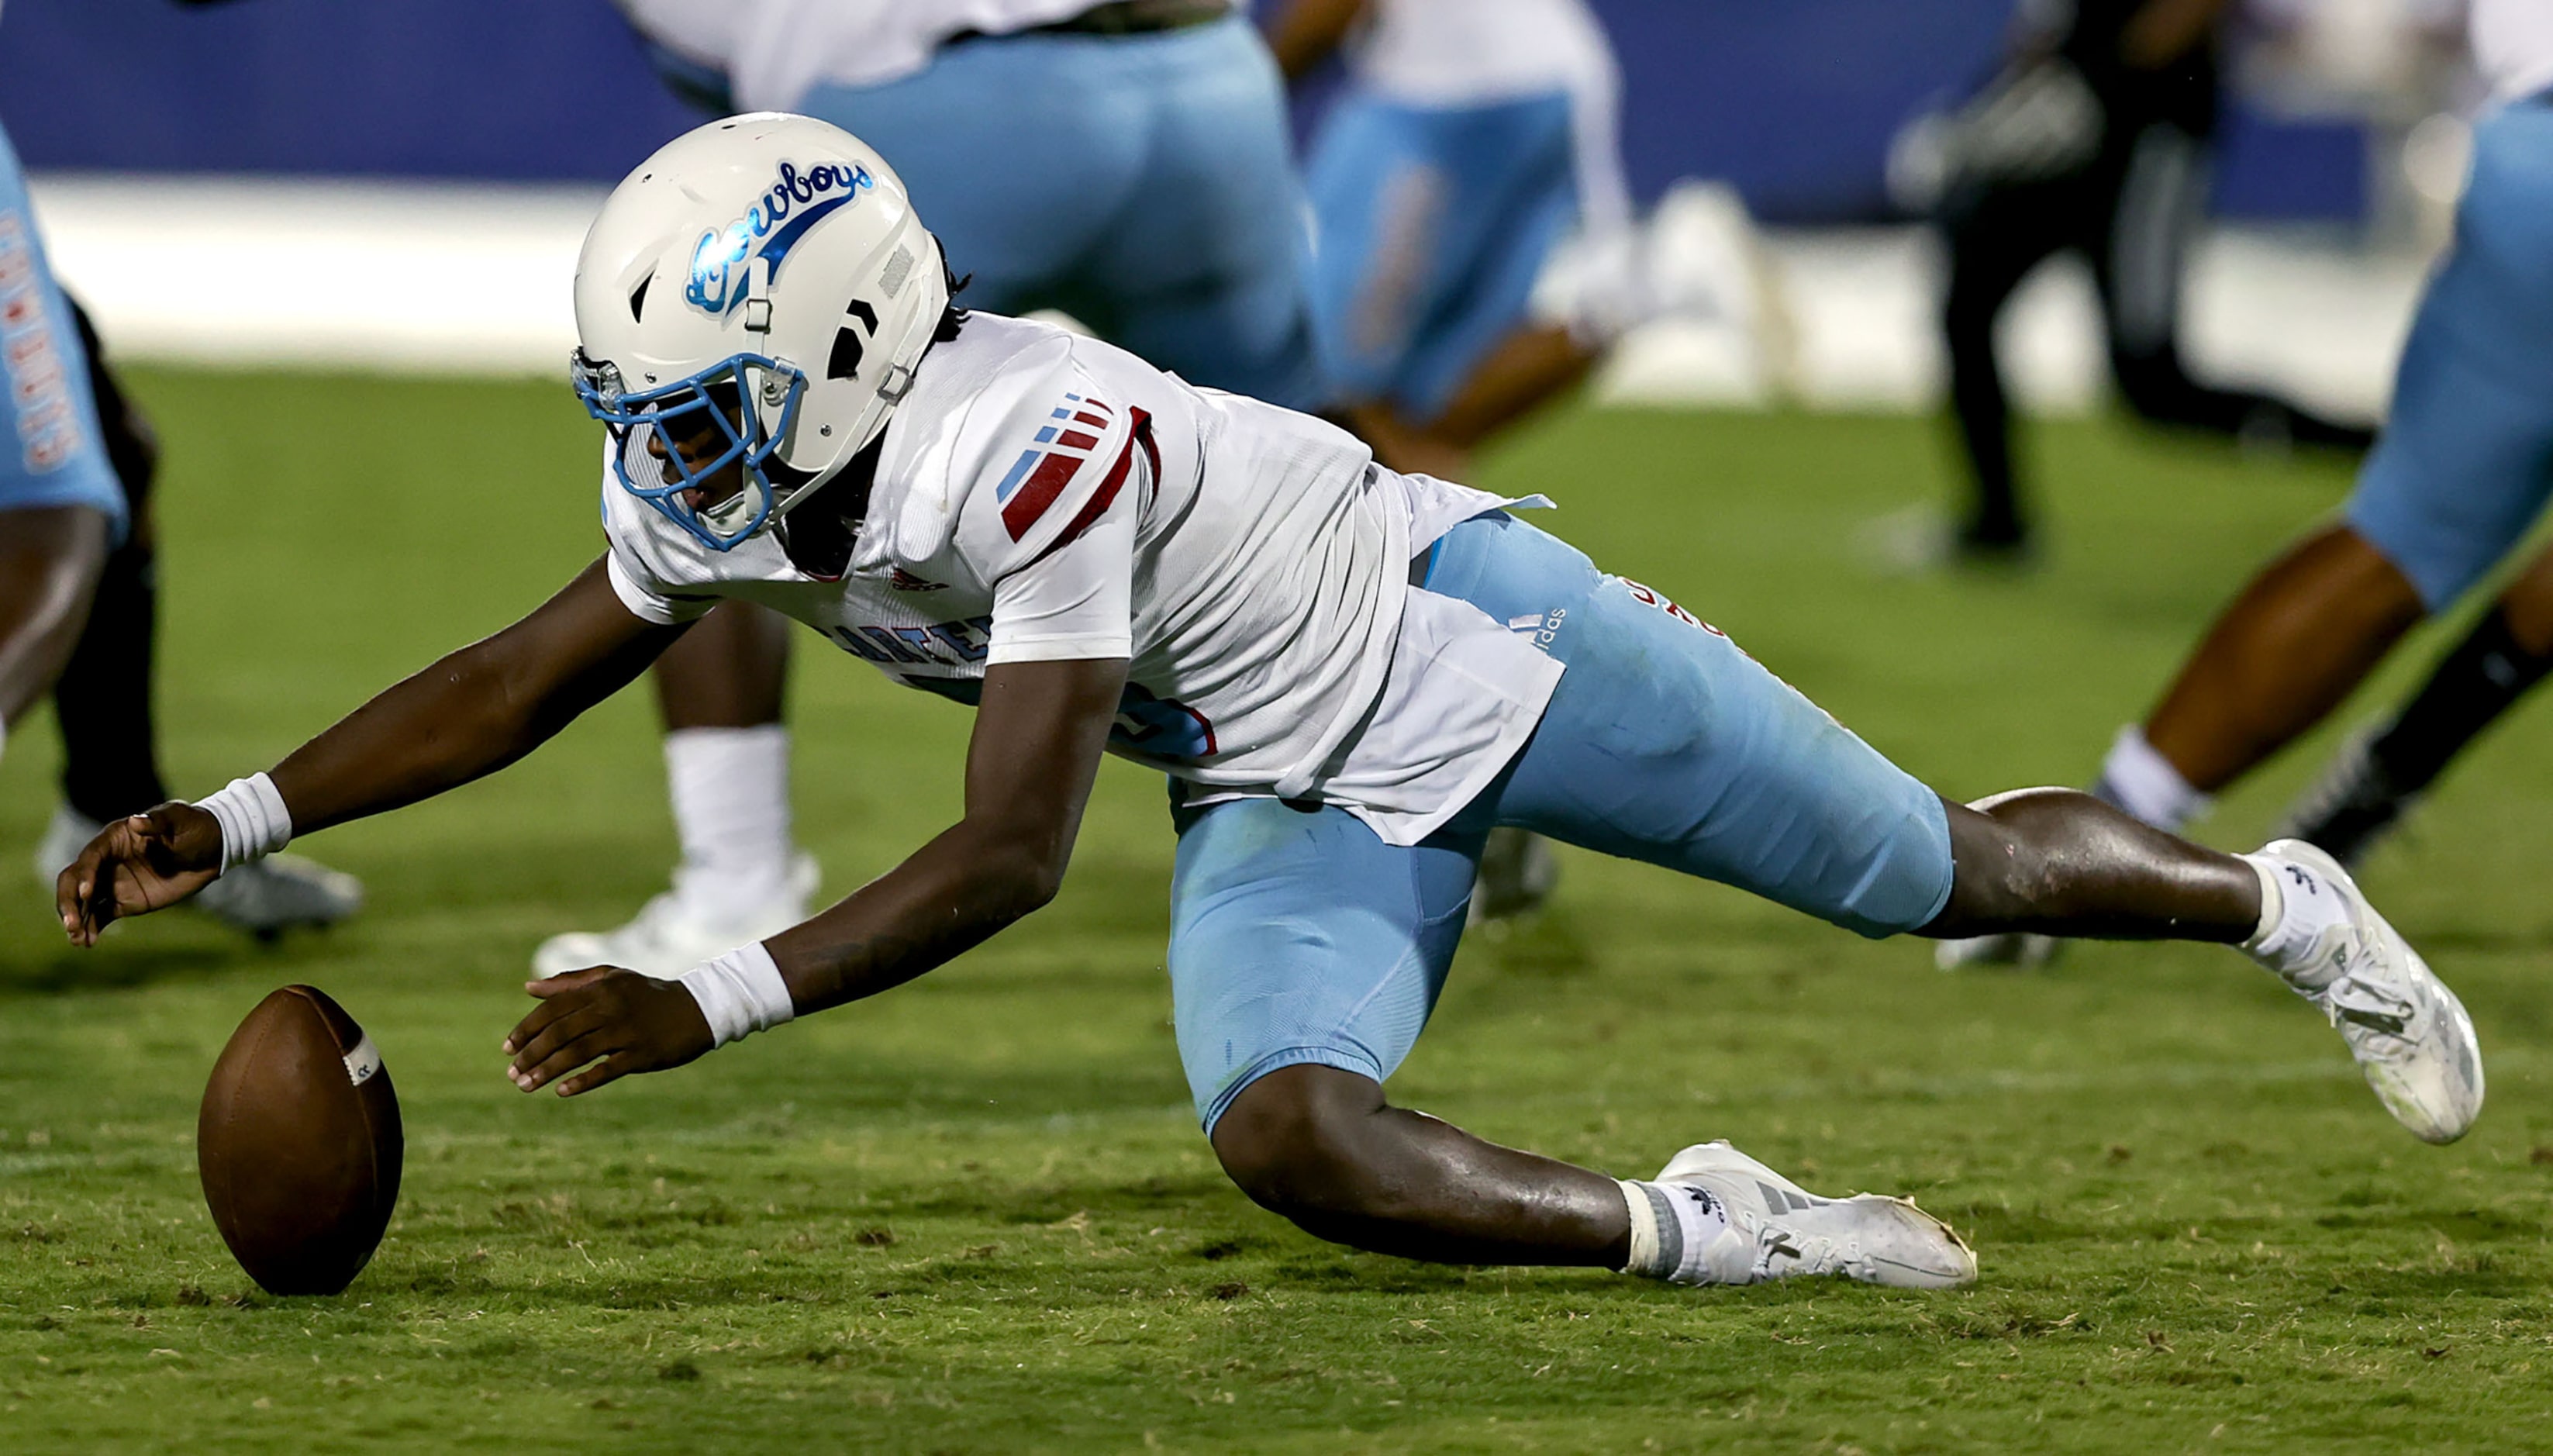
x: 1298, y: 1141
x: 1999, y: 852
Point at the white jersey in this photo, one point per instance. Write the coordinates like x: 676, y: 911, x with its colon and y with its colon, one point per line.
x: 1044, y: 496
x: 2512, y: 45
x: 1461, y: 53
x: 772, y: 53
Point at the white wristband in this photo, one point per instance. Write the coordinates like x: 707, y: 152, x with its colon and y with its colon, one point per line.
x: 255, y: 823
x: 741, y: 993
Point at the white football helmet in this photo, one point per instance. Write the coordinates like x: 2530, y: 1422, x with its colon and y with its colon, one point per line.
x: 764, y: 277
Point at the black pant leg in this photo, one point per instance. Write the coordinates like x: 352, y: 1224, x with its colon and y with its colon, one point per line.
x: 1994, y: 238
x: 103, y: 702
x: 2158, y: 196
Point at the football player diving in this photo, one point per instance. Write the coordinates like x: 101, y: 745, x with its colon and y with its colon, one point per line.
x: 1475, y: 138
x: 1349, y: 675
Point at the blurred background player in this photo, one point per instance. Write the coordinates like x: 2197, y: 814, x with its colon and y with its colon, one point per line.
x: 2379, y: 773
x: 79, y: 579
x: 2462, y: 472
x: 1126, y: 163
x: 2096, y: 136
x: 1475, y: 138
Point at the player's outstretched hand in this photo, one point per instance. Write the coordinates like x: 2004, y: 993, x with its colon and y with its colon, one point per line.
x: 137, y: 864
x: 618, y: 1021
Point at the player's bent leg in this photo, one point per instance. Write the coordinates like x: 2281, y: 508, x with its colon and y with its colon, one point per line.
x: 1301, y: 937
x: 1323, y: 1149
x: 1305, y: 955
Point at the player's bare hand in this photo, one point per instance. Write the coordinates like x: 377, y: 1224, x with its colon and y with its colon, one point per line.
x: 609, y: 1021
x: 137, y: 864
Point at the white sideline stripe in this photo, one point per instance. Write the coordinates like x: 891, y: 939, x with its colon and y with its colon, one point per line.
x: 432, y: 278
x: 405, y: 278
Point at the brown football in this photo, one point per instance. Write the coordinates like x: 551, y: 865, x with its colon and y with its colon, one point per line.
x: 300, y: 1146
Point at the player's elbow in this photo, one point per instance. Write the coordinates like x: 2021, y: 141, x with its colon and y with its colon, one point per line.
x: 1039, y: 881
x: 1018, y: 877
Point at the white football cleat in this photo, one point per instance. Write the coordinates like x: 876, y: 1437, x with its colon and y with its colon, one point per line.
x: 63, y: 839
x: 2019, y: 949
x: 267, y: 897
x: 2409, y: 1032
x: 671, y: 933
x: 1778, y: 1229
x: 264, y: 897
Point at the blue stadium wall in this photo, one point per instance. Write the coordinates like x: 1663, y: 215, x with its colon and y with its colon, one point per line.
x: 1793, y: 99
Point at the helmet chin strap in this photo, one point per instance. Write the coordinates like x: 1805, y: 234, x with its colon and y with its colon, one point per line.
x: 773, y: 391
x: 757, y: 296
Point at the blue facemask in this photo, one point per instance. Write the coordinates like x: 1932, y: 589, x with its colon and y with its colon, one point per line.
x: 718, y: 400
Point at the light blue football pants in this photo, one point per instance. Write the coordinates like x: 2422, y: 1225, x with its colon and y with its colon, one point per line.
x: 1144, y: 184
x: 1300, y: 936
x: 55, y: 454
x: 1433, y: 224
x: 2465, y: 463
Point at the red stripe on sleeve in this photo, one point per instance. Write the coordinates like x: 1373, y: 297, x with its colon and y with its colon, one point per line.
x: 1096, y: 422
x: 1039, y: 492
x: 1097, y: 507
x: 1077, y: 440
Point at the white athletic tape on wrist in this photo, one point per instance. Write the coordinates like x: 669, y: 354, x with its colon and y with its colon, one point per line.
x: 741, y: 993
x: 255, y: 823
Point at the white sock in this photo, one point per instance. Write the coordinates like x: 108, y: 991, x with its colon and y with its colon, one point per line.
x: 1675, y: 1229
x: 730, y: 793
x: 2143, y: 782
x: 2296, y: 906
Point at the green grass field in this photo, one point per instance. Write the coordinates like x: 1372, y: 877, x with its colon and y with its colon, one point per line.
x: 976, y: 1214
